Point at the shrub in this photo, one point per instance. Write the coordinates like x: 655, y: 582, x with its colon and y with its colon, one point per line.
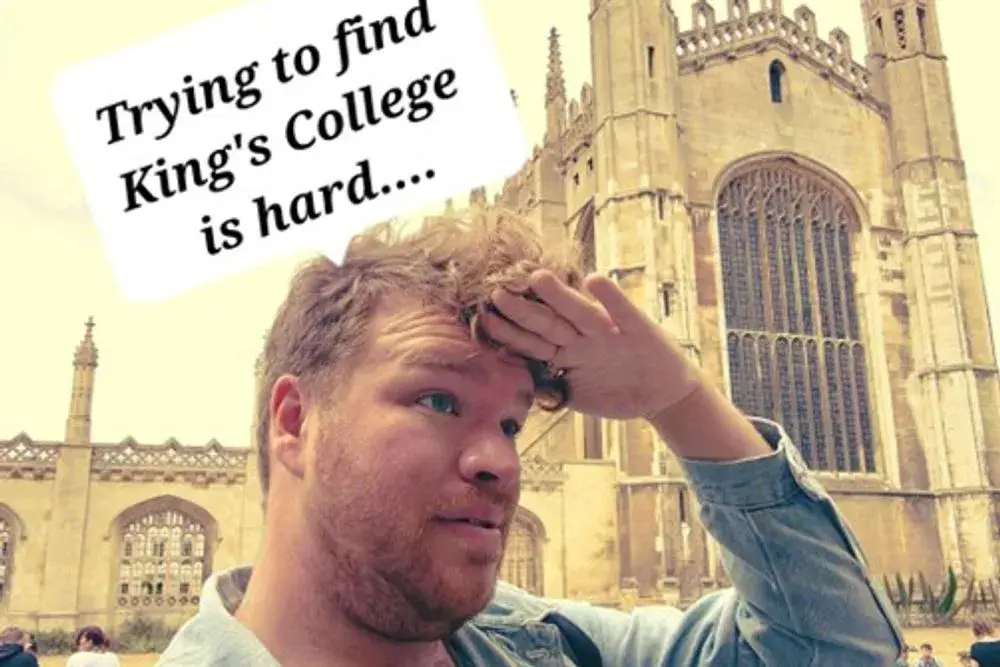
x: 55, y: 642
x: 144, y: 635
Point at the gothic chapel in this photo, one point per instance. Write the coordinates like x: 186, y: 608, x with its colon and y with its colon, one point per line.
x: 800, y: 221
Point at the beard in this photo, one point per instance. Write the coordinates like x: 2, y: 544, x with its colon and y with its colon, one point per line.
x: 379, y: 560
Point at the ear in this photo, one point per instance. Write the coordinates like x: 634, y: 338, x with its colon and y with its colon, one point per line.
x: 285, y: 435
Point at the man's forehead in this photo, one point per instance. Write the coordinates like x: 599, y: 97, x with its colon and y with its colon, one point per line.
x: 480, y: 364
x: 410, y: 335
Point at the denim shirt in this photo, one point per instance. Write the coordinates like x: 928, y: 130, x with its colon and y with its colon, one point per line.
x: 802, y: 595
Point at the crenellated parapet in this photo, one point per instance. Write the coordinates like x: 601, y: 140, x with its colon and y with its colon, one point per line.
x: 171, y: 461
x: 580, y: 124
x: 23, y: 458
x: 520, y: 190
x: 744, y: 33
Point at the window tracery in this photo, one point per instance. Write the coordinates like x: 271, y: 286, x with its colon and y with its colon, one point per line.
x: 793, y: 334
x: 7, y: 543
x: 522, y: 564
x: 164, y: 560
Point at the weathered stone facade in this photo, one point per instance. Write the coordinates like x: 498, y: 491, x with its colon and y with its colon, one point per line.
x: 798, y: 220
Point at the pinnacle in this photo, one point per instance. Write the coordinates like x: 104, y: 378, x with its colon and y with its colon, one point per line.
x: 86, y: 351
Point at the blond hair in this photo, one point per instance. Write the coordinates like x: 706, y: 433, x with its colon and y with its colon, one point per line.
x: 447, y: 262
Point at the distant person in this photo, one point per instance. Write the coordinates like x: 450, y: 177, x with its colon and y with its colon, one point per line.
x: 13, y: 641
x: 985, y: 649
x: 927, y: 658
x: 92, y: 649
x: 904, y: 657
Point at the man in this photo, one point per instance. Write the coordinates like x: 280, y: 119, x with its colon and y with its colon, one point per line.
x: 985, y: 649
x: 13, y: 641
x: 927, y: 657
x: 395, y: 386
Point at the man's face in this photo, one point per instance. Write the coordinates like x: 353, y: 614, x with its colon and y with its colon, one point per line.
x: 413, y: 475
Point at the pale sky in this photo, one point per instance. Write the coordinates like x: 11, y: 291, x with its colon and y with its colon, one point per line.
x: 183, y: 368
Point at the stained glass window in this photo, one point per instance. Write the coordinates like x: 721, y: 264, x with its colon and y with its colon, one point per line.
x: 163, y: 560
x: 793, y: 335
x: 522, y: 564
x: 7, y: 542
x: 593, y: 444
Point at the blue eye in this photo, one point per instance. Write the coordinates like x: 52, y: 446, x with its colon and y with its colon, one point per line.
x: 440, y: 402
x: 510, y: 428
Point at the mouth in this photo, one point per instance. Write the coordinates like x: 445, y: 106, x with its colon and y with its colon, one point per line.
x: 477, y: 528
x: 478, y: 523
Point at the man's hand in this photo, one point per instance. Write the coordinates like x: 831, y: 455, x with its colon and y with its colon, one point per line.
x: 618, y: 362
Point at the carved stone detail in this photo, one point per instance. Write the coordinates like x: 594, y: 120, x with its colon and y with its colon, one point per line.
x: 21, y: 457
x: 128, y: 460
x: 541, y: 475
x: 712, y: 40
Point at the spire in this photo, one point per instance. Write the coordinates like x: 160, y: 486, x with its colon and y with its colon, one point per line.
x: 86, y: 351
x: 555, y: 84
x: 81, y: 398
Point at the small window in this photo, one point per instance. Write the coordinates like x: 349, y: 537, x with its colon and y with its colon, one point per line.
x: 590, y: 165
x: 682, y: 506
x: 576, y: 179
x: 900, y: 19
x: 922, y: 25
x: 650, y: 60
x: 881, y: 32
x: 593, y: 447
x: 776, y: 76
x: 665, y: 298
x: 660, y: 206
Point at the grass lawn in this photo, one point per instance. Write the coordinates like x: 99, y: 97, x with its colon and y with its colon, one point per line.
x: 947, y: 643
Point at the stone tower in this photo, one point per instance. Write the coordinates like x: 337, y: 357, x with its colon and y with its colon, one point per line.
x: 640, y: 211
x: 642, y: 219
x: 71, y: 490
x: 954, y: 376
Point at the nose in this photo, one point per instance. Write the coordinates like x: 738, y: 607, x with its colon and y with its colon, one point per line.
x: 490, y: 461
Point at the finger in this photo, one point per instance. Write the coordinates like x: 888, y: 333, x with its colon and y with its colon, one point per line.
x: 535, y: 317
x: 586, y: 316
x: 517, y: 339
x: 619, y: 307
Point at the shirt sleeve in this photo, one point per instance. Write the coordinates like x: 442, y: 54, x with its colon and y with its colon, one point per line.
x: 802, y: 593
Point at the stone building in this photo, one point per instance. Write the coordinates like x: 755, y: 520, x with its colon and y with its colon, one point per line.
x: 798, y: 220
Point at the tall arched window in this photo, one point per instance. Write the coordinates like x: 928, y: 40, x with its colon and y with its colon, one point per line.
x: 522, y: 562
x: 776, y: 78
x: 593, y: 442
x: 8, y: 541
x: 164, y: 560
x: 795, y: 353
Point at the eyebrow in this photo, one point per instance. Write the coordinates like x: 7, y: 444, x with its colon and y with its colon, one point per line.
x: 459, y: 365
